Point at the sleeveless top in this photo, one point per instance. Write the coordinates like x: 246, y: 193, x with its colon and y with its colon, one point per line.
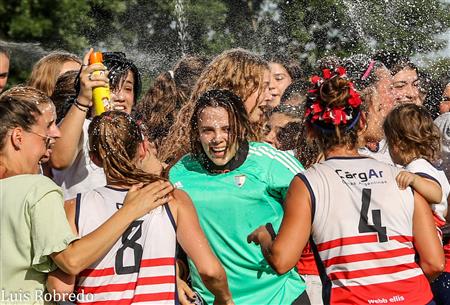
x: 362, y: 233
x: 140, y: 267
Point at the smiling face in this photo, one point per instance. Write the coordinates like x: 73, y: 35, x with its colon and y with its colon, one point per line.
x: 406, y: 86
x: 39, y: 140
x: 123, y: 96
x: 214, y: 131
x: 53, y: 131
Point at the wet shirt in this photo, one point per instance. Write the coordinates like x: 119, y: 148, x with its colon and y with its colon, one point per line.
x: 230, y: 206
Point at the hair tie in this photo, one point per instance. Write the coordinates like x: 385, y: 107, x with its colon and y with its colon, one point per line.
x: 369, y: 69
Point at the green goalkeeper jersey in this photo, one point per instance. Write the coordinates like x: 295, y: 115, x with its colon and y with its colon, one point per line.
x: 230, y: 206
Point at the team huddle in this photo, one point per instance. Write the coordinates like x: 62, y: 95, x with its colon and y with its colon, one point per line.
x: 236, y: 180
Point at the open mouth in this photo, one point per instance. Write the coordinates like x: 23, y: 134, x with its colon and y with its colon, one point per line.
x: 119, y: 107
x: 218, y: 152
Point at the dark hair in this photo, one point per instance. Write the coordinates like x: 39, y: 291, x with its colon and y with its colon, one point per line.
x: 114, y: 137
x: 287, y: 136
x: 292, y: 67
x: 19, y: 108
x: 411, y: 129
x: 240, y: 127
x: 361, y: 70
x: 118, y: 66
x: 297, y: 89
x: 393, y: 61
x: 5, y: 50
x: 64, y: 93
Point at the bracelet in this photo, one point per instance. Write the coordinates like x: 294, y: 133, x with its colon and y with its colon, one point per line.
x: 271, y: 231
x: 81, y: 107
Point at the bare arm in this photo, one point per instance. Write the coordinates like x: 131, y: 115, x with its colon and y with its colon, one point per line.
x: 426, y: 240
x: 67, y: 147
x: 192, y: 239
x: 83, y: 252
x: 58, y: 281
x: 429, y: 189
x: 285, y: 251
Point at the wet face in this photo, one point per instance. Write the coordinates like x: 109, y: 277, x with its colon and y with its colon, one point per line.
x: 38, y: 141
x: 214, y: 131
x: 69, y: 66
x: 445, y: 100
x: 123, y: 96
x: 4, y: 70
x: 406, y: 86
x: 277, y: 122
x: 257, y: 101
x: 49, y: 114
x: 380, y: 104
x: 279, y: 80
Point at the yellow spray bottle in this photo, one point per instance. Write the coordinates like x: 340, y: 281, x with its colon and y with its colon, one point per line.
x: 100, y: 95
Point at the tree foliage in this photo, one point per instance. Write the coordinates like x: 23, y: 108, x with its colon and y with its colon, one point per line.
x: 155, y: 33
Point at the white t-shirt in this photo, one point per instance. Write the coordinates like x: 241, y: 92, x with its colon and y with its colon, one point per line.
x: 381, y: 155
x: 425, y: 169
x: 83, y: 175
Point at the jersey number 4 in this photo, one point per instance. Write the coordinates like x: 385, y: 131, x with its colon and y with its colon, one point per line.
x: 364, y: 226
x: 130, y: 241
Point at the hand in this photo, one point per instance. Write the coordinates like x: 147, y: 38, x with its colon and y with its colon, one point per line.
x: 91, y: 76
x: 405, y: 179
x: 259, y: 236
x: 141, y: 200
x: 185, y: 293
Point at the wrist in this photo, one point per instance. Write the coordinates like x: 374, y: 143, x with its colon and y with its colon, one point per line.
x: 83, y: 102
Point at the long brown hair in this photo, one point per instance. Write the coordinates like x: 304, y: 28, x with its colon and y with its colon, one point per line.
x: 239, y: 124
x: 169, y: 92
x: 237, y: 70
x: 333, y: 94
x: 114, y: 137
x: 46, y: 71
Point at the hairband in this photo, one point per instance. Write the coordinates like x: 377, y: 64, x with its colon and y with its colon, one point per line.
x: 369, y: 69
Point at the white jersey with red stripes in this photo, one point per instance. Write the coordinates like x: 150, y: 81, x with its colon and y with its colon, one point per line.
x: 362, y: 232
x: 140, y: 267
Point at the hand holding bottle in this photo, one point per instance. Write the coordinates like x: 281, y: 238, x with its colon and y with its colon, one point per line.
x: 91, y: 76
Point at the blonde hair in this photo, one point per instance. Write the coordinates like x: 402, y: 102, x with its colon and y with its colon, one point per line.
x: 46, y: 71
x: 236, y: 70
x: 114, y: 138
x: 411, y: 130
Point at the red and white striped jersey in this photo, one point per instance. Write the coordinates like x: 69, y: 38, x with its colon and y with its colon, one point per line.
x: 140, y: 267
x: 362, y: 232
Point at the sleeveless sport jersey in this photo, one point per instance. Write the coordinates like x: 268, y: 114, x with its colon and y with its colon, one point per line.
x: 140, y: 267
x: 362, y: 233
